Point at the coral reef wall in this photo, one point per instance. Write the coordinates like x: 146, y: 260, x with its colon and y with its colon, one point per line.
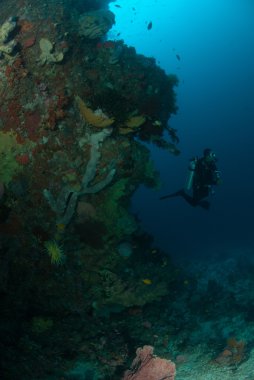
x: 74, y: 108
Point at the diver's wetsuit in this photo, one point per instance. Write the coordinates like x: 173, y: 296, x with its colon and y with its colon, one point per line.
x: 205, y: 175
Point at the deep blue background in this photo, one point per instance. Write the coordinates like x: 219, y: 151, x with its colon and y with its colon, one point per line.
x: 215, y: 41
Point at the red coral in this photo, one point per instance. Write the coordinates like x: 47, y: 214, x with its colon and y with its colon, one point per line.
x: 11, y: 117
x: 109, y: 44
x: 62, y: 101
x: 23, y: 159
x: 106, y: 45
x: 8, y: 71
x: 18, y: 64
x: 29, y: 42
x: 32, y: 124
x: 20, y: 139
x: 56, y: 110
x: 15, y: 72
x: 25, y: 26
x: 146, y: 366
x: 99, y: 45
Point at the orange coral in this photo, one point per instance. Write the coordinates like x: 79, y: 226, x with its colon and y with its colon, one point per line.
x: 233, y: 354
x: 26, y: 26
x: 96, y: 119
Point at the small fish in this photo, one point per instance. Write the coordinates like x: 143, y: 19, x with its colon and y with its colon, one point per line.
x: 147, y: 281
x: 133, y: 8
x: 178, y: 57
x: 118, y: 6
x: 157, y: 123
x: 118, y: 34
x: 150, y: 25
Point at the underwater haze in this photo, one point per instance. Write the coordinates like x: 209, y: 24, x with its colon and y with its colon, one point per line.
x: 88, y: 290
x: 208, y: 44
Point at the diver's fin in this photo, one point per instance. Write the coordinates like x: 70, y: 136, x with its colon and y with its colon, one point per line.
x: 172, y: 195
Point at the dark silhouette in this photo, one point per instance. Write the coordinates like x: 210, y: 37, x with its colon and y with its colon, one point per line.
x: 203, y: 174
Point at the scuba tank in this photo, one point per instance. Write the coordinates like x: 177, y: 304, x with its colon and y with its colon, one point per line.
x: 191, y: 172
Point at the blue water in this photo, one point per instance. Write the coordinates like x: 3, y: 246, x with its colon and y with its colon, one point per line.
x: 214, y: 40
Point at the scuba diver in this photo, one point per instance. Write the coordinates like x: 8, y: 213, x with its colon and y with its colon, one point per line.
x: 203, y: 174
